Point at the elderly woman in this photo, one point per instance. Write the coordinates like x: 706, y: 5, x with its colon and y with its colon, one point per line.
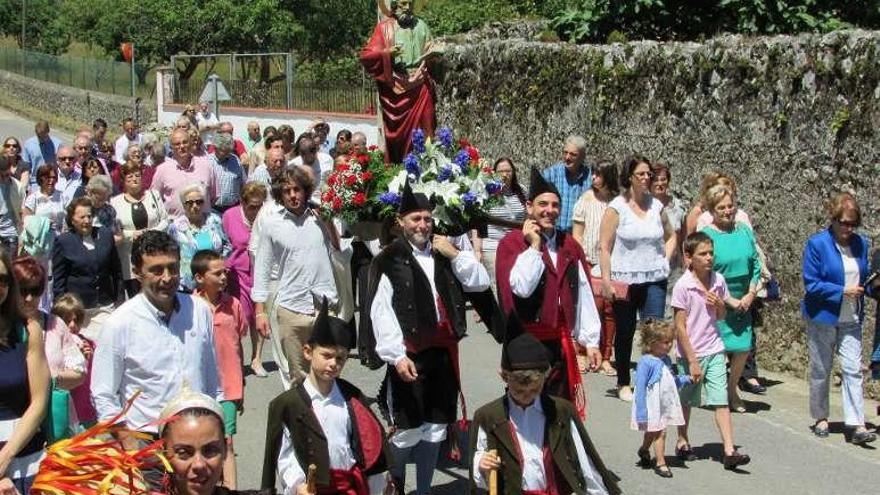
x: 237, y: 223
x: 154, y: 153
x: 85, y: 262
x: 835, y: 268
x: 42, y: 217
x: 229, y: 175
x: 138, y: 209
x: 195, y: 446
x: 636, y: 244
x: 736, y: 258
x: 586, y: 223
x: 24, y: 380
x: 197, y: 229
x: 99, y: 189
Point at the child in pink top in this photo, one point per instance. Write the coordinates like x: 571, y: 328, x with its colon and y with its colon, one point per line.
x: 230, y: 325
x: 699, y: 299
x: 70, y: 314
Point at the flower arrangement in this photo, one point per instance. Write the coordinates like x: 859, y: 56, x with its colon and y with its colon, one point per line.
x: 352, y: 186
x: 452, y: 174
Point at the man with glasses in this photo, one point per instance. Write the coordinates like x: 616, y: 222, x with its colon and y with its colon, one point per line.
x: 40, y: 149
x: 69, y: 177
x: 130, y: 136
x: 571, y: 178
x: 181, y: 170
x: 10, y: 206
x: 82, y: 145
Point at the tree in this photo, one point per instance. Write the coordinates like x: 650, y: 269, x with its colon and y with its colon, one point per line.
x: 45, y: 30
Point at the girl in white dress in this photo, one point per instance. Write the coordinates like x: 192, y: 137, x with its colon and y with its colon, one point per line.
x: 655, y: 402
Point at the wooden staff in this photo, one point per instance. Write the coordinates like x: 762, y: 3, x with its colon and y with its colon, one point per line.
x: 493, y: 476
x: 311, y: 478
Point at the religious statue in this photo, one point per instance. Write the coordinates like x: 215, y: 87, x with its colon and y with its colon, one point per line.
x: 398, y: 56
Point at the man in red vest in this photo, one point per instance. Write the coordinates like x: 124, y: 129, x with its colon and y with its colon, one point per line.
x: 543, y: 278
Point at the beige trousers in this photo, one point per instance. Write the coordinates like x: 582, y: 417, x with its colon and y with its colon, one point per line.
x: 294, y: 330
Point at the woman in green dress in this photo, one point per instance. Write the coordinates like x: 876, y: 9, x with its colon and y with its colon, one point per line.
x: 736, y: 258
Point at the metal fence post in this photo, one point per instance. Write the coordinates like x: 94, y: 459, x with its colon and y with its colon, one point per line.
x: 288, y: 79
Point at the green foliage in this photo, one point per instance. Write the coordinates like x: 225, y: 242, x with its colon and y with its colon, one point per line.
x: 446, y: 17
x: 45, y: 31
x: 603, y: 20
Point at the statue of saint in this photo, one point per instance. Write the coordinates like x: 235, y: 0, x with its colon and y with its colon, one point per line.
x: 398, y: 57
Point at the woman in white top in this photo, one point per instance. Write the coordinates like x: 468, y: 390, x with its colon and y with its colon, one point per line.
x: 636, y: 243
x: 504, y: 217
x: 137, y: 210
x: 586, y: 221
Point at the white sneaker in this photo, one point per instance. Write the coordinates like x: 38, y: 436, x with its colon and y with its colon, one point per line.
x: 625, y: 394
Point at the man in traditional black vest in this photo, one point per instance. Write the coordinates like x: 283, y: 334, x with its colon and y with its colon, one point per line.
x: 542, y: 276
x: 418, y: 315
x: 535, y: 441
x: 324, y: 421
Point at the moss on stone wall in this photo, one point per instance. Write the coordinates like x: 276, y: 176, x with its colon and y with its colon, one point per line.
x: 791, y: 118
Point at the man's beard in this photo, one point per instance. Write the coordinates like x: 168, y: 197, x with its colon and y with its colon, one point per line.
x: 406, y: 19
x: 417, y: 239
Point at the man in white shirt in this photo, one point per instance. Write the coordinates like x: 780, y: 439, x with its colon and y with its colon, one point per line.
x: 129, y: 136
x: 153, y: 343
x: 69, y: 178
x: 417, y: 315
x: 299, y: 242
x: 208, y: 122
x: 311, y: 156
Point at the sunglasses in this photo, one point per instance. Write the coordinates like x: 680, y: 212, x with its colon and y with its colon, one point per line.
x: 66, y: 158
x: 11, y: 145
x: 194, y: 202
x: 851, y: 225
x: 34, y: 292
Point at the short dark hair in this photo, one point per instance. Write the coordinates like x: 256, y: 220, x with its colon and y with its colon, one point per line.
x: 99, y: 123
x: 267, y: 143
x: 693, y: 240
x: 74, y: 204
x: 629, y: 167
x: 344, y: 133
x: 201, y: 260
x: 608, y: 172
x: 43, y: 171
x: 269, y: 129
x: 153, y: 242
x: 289, y: 176
x: 659, y: 167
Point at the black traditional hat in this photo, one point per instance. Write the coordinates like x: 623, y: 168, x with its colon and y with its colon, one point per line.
x: 521, y: 350
x: 410, y: 201
x: 538, y: 185
x: 329, y: 331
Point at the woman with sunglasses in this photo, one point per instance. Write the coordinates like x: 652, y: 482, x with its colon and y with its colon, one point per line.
x: 24, y: 388
x: 42, y: 219
x: 12, y: 152
x: 835, y: 269
x: 197, y: 229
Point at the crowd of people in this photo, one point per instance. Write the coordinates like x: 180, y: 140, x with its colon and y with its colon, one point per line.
x: 138, y: 266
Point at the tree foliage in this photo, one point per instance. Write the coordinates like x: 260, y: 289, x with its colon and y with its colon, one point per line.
x: 599, y: 20
x: 45, y: 31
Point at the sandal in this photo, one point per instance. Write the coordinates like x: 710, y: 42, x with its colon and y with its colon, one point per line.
x: 644, y: 457
x: 685, y: 453
x: 820, y: 431
x: 663, y: 471
x: 583, y: 365
x: 607, y: 370
x: 738, y: 406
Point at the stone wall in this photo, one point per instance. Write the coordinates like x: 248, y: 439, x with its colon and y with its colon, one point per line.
x: 792, y: 119
x: 77, y: 105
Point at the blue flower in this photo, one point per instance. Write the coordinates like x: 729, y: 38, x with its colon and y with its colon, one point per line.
x: 444, y: 135
x: 462, y: 159
x: 390, y: 198
x: 444, y: 175
x: 411, y: 163
x: 468, y: 198
x: 418, y: 140
x: 493, y: 187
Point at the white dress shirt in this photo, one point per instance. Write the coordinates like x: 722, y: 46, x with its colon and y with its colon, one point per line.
x: 120, y: 149
x: 68, y: 185
x: 301, y: 250
x: 526, y: 275
x: 528, y: 424
x: 139, y: 349
x: 389, y: 337
x: 332, y: 414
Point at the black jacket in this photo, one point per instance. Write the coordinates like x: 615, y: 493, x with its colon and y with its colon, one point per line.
x: 93, y: 275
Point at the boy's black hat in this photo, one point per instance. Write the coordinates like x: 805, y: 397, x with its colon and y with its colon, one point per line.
x: 538, y: 185
x: 329, y: 331
x: 521, y: 350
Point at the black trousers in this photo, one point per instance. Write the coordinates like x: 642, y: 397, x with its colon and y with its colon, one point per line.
x: 432, y: 398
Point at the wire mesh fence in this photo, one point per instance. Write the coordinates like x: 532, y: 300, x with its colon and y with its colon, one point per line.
x: 105, y: 76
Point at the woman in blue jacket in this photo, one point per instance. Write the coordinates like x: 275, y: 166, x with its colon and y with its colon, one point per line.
x: 835, y: 268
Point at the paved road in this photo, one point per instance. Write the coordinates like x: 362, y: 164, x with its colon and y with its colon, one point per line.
x: 786, y: 457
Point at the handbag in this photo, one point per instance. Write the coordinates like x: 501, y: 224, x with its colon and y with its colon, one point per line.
x: 621, y: 289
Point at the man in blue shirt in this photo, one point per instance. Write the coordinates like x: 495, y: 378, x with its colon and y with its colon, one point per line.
x: 40, y: 149
x: 571, y: 178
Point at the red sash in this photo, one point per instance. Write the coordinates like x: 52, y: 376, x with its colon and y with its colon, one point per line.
x: 576, y: 391
x: 351, y: 482
x: 549, y: 471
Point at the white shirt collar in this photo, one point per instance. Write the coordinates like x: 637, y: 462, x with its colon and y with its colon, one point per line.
x: 534, y: 407
x: 421, y: 252
x: 315, y: 394
x: 159, y: 314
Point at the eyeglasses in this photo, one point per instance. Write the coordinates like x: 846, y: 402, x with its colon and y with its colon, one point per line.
x: 34, y: 292
x: 644, y: 174
x: 66, y: 158
x: 851, y: 225
x: 11, y: 145
x: 194, y: 202
x: 82, y: 148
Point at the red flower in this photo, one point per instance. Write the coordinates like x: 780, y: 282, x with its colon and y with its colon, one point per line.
x: 367, y: 176
x: 327, y: 197
x: 342, y: 167
x: 350, y: 180
x: 331, y: 180
x: 337, y: 204
x: 359, y: 199
x: 372, y: 147
x: 474, y: 154
x: 363, y: 159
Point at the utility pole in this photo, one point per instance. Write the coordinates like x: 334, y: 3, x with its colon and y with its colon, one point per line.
x: 23, y: 19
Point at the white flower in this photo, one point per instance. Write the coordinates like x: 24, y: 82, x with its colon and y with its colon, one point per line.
x: 396, y: 184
